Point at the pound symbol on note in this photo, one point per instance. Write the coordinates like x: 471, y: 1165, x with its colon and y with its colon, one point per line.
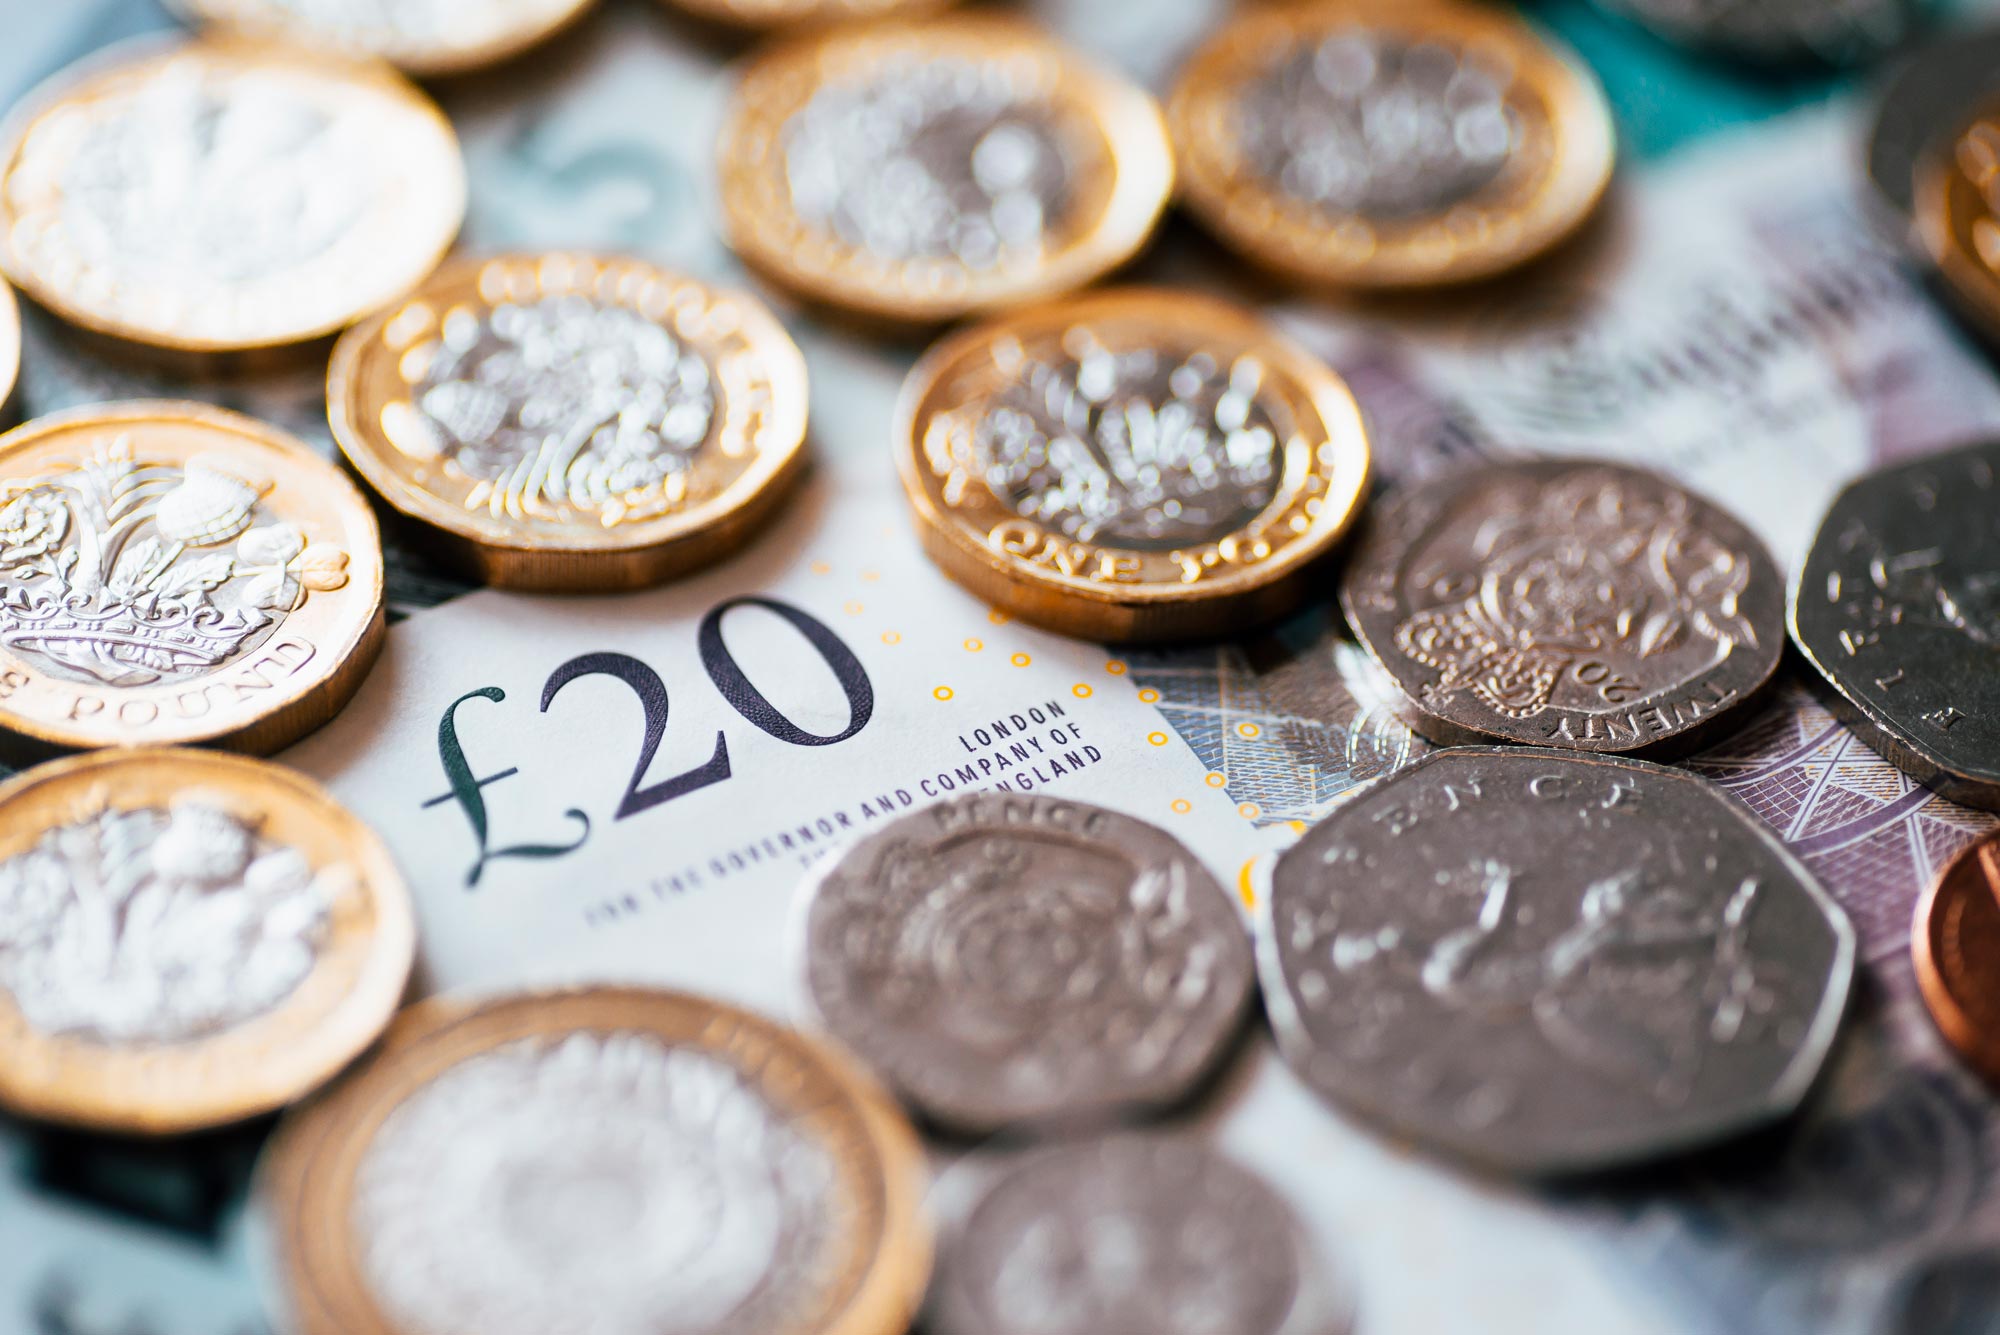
x: 466, y: 790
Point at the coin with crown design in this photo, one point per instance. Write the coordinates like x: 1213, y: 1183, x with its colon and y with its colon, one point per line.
x: 573, y: 422
x: 187, y: 939
x: 1131, y: 465
x: 1388, y: 143
x: 224, y: 197
x: 423, y: 37
x: 655, y: 1159
x: 915, y: 172
x: 174, y: 573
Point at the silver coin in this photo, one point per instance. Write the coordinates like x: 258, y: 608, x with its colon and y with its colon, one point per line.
x: 1835, y: 32
x: 1928, y: 97
x: 1552, y: 962
x: 1950, y: 1293
x: 1001, y: 958
x: 1131, y: 1236
x: 1898, y: 606
x: 1574, y: 604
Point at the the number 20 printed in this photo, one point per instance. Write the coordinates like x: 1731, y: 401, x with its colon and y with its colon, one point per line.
x: 735, y: 686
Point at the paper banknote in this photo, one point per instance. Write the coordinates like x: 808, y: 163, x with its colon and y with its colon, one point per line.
x: 1734, y: 323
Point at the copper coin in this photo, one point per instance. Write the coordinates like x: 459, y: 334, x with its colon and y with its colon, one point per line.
x: 1955, y: 942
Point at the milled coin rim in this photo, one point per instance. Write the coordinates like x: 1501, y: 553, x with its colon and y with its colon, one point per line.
x: 296, y: 710
x: 437, y: 62
x: 112, y: 61
x: 1140, y: 611
x: 1779, y: 1100
x: 623, y: 556
x: 780, y: 79
x: 1292, y: 237
x: 305, y: 1170
x: 252, y: 1067
x: 1979, y: 1049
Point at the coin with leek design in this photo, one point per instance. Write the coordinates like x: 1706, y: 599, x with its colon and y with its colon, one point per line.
x: 1897, y: 606
x: 1566, y: 603
x: 1958, y: 215
x: 1388, y: 143
x: 224, y: 195
x: 1955, y: 943
x: 1550, y: 962
x: 914, y: 172
x: 426, y: 37
x: 1133, y: 1235
x: 1131, y: 465
x: 187, y: 939
x: 573, y: 422
x: 653, y: 1159
x: 174, y: 573
x: 1001, y: 959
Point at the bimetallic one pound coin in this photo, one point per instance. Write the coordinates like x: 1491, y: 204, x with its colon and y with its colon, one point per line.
x: 1389, y: 143
x: 1574, y: 603
x: 569, y: 422
x: 633, y: 1161
x: 1137, y: 464
x: 1898, y: 606
x: 225, y: 195
x: 173, y: 573
x: 187, y: 939
x: 1921, y: 104
x: 1135, y: 1235
x: 1958, y: 215
x: 915, y: 172
x: 1955, y: 943
x: 1009, y: 958
x: 426, y: 37
x: 1550, y: 962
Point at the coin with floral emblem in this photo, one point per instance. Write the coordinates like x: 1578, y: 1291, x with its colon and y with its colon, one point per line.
x: 175, y: 573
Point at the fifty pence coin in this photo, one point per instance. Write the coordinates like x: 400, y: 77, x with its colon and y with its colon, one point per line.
x: 1003, y: 958
x: 173, y: 573
x: 1134, y: 1235
x: 187, y: 939
x: 655, y: 1160
x: 426, y: 37
x: 1898, y: 606
x: 1834, y: 32
x: 1389, y: 143
x: 1955, y: 943
x: 1550, y: 962
x: 1958, y: 215
x: 916, y: 172
x: 1928, y: 96
x: 1137, y: 464
x: 567, y: 422
x: 1566, y: 603
x: 224, y: 195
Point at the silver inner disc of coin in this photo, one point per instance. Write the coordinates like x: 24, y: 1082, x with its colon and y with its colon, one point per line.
x: 1134, y: 446
x: 932, y: 159
x: 1365, y: 122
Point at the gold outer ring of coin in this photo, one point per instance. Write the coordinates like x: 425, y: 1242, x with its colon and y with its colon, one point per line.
x: 1565, y: 180
x: 789, y: 14
x: 10, y: 352
x: 1107, y: 593
x: 271, y: 690
x: 306, y: 1177
x: 1125, y: 196
x: 1961, y: 992
x: 1959, y: 228
x: 264, y: 19
x: 761, y: 412
x: 261, y: 1063
x: 114, y: 69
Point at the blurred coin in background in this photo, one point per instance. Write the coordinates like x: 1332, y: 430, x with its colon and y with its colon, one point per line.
x: 1548, y: 962
x: 915, y: 172
x: 1001, y: 958
x: 1927, y: 98
x: 653, y: 1159
x: 1834, y: 32
x: 1566, y: 603
x: 1389, y: 143
x: 567, y: 422
x: 1135, y: 1235
x: 775, y: 14
x: 1135, y: 464
x: 187, y: 939
x: 173, y: 573
x: 223, y: 195
x: 1955, y: 943
x: 10, y: 352
x: 422, y: 37
x: 1898, y: 607
x: 1958, y: 215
